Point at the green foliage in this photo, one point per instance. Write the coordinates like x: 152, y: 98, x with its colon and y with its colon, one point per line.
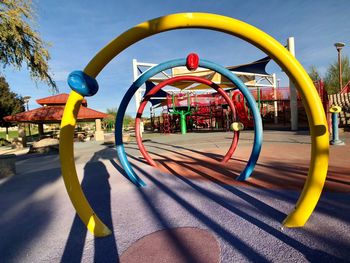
x: 19, y: 43
x: 10, y: 102
x: 314, y: 74
x: 112, y: 111
x: 109, y: 121
x: 11, y: 134
x: 128, y: 121
x: 331, y: 79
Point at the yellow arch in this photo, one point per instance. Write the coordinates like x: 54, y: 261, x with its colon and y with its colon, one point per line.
x: 316, y: 117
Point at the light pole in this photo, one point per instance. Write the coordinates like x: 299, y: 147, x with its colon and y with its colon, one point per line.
x: 339, y: 46
x: 26, y: 101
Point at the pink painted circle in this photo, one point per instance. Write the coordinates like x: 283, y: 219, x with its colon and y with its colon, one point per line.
x: 183, y: 244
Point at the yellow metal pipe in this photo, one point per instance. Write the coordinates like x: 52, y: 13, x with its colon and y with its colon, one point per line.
x: 316, y: 117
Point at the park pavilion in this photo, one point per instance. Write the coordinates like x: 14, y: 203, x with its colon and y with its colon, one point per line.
x: 51, y: 111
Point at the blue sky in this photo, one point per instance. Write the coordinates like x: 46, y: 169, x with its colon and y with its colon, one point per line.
x: 78, y: 29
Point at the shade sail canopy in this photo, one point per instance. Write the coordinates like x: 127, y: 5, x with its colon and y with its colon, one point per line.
x: 256, y: 67
x: 245, y: 72
x: 158, y: 97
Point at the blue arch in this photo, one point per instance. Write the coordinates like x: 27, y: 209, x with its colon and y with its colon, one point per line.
x: 258, y: 135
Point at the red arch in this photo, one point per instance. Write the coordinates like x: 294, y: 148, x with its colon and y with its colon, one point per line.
x: 166, y: 82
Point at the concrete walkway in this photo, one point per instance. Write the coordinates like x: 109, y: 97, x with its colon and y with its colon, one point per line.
x: 38, y: 223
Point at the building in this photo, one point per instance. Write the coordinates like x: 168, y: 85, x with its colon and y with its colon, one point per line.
x: 51, y: 111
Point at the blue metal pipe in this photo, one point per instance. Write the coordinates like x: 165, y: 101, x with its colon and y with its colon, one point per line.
x: 335, y: 133
x: 258, y: 135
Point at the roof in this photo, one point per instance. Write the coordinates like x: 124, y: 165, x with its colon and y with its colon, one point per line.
x: 53, y: 114
x: 346, y: 88
x: 59, y: 99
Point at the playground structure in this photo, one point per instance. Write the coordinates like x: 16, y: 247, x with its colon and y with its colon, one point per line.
x: 84, y: 84
x: 205, y: 112
x: 210, y: 110
x: 342, y: 100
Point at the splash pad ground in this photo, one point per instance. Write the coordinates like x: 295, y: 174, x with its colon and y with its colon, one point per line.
x: 38, y: 222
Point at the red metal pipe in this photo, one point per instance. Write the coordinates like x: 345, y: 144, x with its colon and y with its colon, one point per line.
x: 170, y: 81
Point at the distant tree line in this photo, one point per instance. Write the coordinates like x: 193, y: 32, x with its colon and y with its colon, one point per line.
x: 10, y: 103
x: 109, y: 121
x: 331, y: 77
